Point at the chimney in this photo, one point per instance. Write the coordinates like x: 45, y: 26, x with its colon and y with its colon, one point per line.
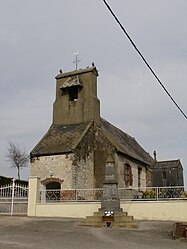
x: 155, y: 160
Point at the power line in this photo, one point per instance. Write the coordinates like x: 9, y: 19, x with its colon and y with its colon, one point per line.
x: 143, y: 58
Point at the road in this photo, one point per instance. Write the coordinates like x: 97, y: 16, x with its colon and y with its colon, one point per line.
x: 64, y: 233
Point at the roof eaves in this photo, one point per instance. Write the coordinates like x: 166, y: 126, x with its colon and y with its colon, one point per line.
x: 49, y: 154
x: 132, y: 156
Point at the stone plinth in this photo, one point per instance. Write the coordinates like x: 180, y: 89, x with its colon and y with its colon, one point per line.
x: 121, y: 219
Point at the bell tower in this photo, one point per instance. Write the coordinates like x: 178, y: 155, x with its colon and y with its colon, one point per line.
x: 76, y: 97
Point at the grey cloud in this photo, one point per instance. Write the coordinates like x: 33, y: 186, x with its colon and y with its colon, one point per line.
x: 37, y: 38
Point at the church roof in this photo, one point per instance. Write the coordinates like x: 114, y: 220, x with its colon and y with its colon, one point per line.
x: 60, y: 139
x: 125, y: 143
x: 64, y: 138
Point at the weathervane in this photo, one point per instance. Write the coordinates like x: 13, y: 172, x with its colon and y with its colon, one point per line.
x: 76, y: 61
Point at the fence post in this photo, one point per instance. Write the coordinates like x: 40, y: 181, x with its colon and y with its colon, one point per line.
x: 33, y: 195
x: 157, y: 193
x: 12, y: 201
x: 76, y: 196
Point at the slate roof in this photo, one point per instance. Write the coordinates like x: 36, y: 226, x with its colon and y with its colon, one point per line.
x: 125, y: 143
x: 64, y: 138
x: 60, y: 139
x: 168, y: 164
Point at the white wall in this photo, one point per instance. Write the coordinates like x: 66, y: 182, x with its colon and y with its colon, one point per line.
x: 175, y: 210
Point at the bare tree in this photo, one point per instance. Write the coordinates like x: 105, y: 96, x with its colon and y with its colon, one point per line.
x: 17, y: 157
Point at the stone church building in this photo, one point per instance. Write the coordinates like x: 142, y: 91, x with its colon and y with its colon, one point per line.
x: 73, y: 152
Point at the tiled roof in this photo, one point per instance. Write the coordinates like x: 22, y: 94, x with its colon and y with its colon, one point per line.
x: 60, y: 139
x: 125, y: 143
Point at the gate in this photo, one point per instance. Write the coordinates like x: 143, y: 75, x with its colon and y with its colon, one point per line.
x: 13, y: 199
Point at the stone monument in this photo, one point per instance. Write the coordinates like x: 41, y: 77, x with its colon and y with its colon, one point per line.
x: 110, y: 200
x: 110, y: 214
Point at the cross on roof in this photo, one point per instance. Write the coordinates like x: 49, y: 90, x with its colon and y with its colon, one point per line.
x: 76, y: 61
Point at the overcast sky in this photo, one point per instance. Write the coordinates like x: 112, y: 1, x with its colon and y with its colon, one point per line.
x: 37, y: 38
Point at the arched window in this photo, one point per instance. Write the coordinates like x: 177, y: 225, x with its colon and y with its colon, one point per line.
x: 53, y: 185
x: 52, y: 189
x: 128, y: 177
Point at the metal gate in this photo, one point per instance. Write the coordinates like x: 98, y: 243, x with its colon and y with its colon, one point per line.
x: 13, y: 199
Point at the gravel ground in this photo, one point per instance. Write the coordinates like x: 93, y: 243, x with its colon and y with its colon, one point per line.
x: 64, y: 233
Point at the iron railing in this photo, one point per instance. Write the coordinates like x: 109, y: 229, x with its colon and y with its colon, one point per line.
x: 153, y: 193
x: 126, y: 194
x: 76, y: 195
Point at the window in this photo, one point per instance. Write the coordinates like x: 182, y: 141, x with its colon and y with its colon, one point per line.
x: 139, y: 177
x: 53, y: 185
x: 73, y: 93
x: 128, y: 175
x: 53, y: 191
x: 164, y: 176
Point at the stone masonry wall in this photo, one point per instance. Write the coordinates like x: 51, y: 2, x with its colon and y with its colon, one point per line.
x: 83, y: 173
x: 134, y: 166
x: 60, y: 166
x: 74, y: 173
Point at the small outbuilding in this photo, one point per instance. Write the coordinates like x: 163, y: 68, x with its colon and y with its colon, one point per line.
x: 167, y: 173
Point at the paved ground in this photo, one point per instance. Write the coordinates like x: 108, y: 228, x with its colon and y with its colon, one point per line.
x: 45, y: 233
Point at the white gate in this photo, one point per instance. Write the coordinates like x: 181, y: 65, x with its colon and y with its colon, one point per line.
x: 13, y: 199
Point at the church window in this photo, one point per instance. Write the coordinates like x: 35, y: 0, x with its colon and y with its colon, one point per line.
x: 139, y: 176
x: 128, y: 175
x: 73, y: 93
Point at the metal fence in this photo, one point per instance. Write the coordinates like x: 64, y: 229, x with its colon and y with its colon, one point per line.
x: 153, y: 193
x: 126, y: 194
x: 13, y: 199
x: 76, y: 195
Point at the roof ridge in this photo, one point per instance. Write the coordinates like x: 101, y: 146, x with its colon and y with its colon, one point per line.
x: 166, y: 161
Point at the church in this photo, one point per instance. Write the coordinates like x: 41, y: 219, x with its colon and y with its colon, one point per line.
x: 73, y: 152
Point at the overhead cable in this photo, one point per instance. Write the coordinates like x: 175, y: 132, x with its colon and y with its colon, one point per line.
x: 143, y: 58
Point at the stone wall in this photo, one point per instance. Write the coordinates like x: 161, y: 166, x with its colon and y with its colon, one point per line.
x: 59, y: 166
x: 83, y: 173
x: 74, y: 173
x: 120, y: 161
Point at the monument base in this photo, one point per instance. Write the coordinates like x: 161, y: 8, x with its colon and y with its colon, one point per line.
x: 120, y: 219
x: 110, y: 205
